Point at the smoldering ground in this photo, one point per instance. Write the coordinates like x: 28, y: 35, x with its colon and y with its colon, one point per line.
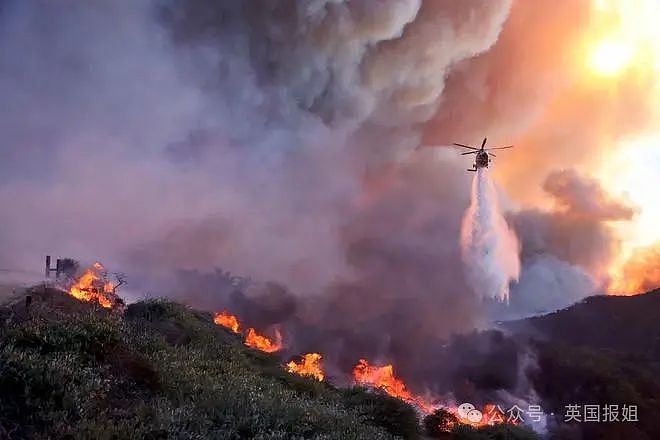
x: 275, y: 140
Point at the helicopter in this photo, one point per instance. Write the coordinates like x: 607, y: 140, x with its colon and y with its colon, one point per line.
x: 482, y: 159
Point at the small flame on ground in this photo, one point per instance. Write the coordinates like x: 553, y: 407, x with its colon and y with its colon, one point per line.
x: 90, y: 287
x: 383, y: 378
x: 226, y: 319
x: 252, y: 338
x: 260, y: 342
x: 310, y: 365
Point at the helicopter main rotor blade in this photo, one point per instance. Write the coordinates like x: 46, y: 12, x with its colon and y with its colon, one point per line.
x: 492, y: 154
x: 465, y: 146
x: 499, y: 148
x: 483, y: 144
x: 469, y: 152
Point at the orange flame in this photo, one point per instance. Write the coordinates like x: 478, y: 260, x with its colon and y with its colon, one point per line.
x: 639, y: 274
x: 226, y: 319
x: 90, y: 287
x: 260, y: 342
x: 309, y: 366
x: 383, y: 378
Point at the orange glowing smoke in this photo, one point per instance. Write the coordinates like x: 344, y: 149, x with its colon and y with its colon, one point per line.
x: 226, y: 319
x: 383, y: 378
x: 255, y: 340
x: 91, y: 287
x: 639, y: 274
x: 310, y: 365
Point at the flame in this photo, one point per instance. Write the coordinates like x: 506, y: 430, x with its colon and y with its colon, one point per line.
x: 309, y: 366
x: 383, y: 378
x: 638, y: 274
x: 226, y: 319
x: 252, y: 338
x: 255, y: 340
x: 91, y: 287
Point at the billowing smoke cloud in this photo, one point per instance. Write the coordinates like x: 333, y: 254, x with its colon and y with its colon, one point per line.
x: 490, y: 248
x: 566, y: 250
x: 272, y: 139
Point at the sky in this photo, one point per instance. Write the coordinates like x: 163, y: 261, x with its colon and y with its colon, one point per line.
x: 279, y: 141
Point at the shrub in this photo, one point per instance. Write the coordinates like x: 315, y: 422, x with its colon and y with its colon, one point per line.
x: 379, y: 409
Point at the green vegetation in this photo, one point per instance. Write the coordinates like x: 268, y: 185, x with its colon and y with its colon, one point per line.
x: 164, y: 371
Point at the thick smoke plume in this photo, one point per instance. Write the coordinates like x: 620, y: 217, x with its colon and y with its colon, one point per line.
x: 490, y: 248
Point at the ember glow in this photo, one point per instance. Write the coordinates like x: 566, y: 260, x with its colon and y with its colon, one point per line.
x: 383, y: 378
x: 90, y: 286
x: 310, y: 365
x: 226, y: 319
x: 263, y: 343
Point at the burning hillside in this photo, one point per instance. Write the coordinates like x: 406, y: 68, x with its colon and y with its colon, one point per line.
x: 383, y: 378
x: 380, y: 378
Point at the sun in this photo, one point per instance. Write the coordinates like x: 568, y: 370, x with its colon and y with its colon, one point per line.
x: 610, y: 57
x: 624, y: 36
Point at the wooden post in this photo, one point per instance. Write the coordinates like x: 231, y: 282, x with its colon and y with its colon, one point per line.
x: 57, y: 269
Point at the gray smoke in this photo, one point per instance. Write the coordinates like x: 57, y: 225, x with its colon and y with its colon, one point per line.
x: 566, y: 250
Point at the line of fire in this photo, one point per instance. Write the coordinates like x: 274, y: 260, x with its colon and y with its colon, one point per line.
x: 99, y: 288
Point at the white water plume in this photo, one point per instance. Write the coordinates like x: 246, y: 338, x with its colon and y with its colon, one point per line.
x: 490, y: 248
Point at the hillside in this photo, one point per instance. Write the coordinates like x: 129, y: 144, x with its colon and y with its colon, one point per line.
x: 623, y: 324
x: 604, y: 350
x: 70, y: 369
